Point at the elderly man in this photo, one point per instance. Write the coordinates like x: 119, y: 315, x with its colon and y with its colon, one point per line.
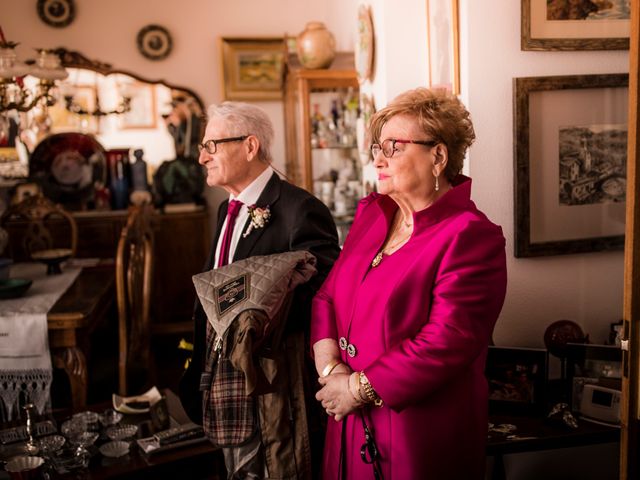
x: 264, y: 215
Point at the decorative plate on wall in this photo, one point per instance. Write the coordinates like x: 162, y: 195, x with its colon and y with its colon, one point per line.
x: 367, y: 109
x: 57, y: 13
x: 364, y: 44
x: 154, y: 42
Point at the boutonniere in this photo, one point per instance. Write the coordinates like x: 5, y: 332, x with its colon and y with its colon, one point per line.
x: 259, y: 218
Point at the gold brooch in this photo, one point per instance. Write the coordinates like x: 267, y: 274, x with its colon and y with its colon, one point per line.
x: 377, y: 259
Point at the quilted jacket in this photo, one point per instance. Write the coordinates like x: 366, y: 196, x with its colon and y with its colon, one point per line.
x: 251, y: 365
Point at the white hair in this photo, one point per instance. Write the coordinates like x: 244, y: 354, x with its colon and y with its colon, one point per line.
x: 246, y: 119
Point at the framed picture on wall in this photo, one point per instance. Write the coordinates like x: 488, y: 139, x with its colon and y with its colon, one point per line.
x: 586, y: 25
x: 252, y: 68
x: 517, y: 379
x: 570, y: 145
x: 63, y: 119
x: 143, y: 113
x: 443, y: 38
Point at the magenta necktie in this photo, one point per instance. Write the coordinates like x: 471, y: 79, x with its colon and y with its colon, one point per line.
x: 232, y: 213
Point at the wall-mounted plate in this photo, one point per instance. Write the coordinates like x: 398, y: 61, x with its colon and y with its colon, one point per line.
x: 154, y: 42
x: 57, y: 13
x: 364, y: 52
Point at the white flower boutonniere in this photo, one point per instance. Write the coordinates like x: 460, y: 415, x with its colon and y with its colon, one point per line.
x: 259, y: 218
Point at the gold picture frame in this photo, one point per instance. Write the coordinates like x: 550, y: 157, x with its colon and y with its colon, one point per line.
x: 443, y: 36
x: 547, y: 27
x: 252, y: 68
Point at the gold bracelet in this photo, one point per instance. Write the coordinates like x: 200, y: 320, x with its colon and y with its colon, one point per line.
x: 359, y: 403
x: 371, y: 394
x: 326, y: 371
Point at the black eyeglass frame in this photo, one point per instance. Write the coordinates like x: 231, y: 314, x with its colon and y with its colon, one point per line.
x: 215, y: 142
x: 390, y: 153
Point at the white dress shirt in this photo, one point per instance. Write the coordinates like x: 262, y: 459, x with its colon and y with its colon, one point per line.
x: 249, y: 196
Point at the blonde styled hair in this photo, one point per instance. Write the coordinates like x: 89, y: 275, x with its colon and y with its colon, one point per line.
x: 440, y: 115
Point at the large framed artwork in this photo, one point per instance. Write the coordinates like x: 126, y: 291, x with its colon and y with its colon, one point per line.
x: 443, y: 38
x: 582, y: 25
x: 570, y: 145
x: 252, y: 68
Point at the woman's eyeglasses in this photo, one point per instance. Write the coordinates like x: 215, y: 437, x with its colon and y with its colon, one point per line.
x: 388, y: 147
x: 211, y: 146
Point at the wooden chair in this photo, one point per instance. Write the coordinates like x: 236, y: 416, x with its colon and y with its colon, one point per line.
x: 43, y: 225
x: 134, y: 270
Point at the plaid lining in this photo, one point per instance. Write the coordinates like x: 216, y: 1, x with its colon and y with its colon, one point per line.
x: 229, y: 414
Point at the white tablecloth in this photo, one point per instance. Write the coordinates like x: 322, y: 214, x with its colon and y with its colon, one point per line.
x: 25, y: 361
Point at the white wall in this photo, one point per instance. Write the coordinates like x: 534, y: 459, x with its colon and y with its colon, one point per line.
x: 585, y: 288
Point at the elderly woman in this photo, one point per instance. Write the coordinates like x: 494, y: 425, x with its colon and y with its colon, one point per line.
x: 401, y: 326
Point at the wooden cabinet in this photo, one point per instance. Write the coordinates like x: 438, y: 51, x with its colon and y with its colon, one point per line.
x: 182, y: 243
x: 321, y: 111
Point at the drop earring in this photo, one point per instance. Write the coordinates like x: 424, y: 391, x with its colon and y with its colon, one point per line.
x: 437, y: 184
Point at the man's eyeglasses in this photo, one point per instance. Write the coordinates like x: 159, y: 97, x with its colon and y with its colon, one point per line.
x: 211, y: 146
x: 388, y: 147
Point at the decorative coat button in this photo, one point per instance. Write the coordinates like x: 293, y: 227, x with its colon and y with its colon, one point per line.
x: 351, y: 350
x: 343, y: 343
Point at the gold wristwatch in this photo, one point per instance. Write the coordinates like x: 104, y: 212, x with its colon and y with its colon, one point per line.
x: 371, y: 394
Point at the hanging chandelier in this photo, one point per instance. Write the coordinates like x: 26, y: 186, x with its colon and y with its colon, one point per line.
x: 73, y: 107
x: 14, y: 94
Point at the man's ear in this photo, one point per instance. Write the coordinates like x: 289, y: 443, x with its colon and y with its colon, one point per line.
x: 252, y: 145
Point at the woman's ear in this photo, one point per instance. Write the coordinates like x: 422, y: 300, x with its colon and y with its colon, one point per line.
x: 441, y: 155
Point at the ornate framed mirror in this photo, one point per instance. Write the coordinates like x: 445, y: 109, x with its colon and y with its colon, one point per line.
x: 121, y: 109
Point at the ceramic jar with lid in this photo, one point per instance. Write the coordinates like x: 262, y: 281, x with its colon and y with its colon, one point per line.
x: 316, y: 46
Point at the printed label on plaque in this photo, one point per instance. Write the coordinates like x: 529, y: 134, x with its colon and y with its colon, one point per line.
x: 231, y: 293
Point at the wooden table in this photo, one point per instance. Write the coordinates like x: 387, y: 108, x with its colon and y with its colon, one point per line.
x: 73, y: 317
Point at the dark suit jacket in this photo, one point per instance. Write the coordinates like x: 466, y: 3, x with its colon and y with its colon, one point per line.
x: 299, y: 221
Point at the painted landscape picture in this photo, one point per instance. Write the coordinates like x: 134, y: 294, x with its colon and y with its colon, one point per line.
x: 588, y: 9
x: 593, y: 161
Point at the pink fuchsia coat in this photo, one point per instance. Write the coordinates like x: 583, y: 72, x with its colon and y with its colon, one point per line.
x: 421, y: 322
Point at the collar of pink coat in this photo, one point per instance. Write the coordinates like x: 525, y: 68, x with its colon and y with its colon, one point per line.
x: 458, y: 198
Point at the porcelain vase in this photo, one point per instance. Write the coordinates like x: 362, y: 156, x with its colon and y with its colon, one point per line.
x: 316, y: 46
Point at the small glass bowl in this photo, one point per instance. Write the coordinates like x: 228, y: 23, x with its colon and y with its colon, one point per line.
x: 73, y: 428
x: 90, y: 418
x: 23, y: 464
x: 110, y: 417
x: 86, y: 439
x: 67, y: 459
x: 114, y: 449
x: 120, y: 432
x: 50, y: 444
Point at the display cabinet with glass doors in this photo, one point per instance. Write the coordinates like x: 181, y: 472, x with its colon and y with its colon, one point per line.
x: 321, y: 111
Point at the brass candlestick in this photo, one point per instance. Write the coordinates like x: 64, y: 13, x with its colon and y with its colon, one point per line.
x: 31, y: 447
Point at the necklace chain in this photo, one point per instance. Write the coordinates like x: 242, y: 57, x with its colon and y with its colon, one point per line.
x: 389, y: 248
